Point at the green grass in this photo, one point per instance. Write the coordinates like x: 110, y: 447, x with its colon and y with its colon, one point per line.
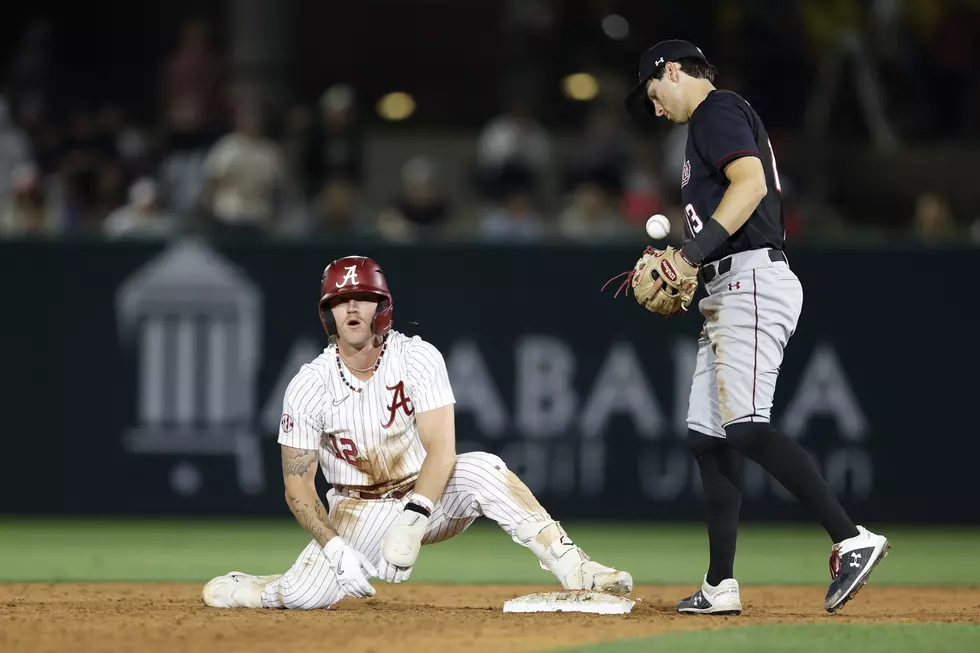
x: 189, y: 550
x: 849, y: 638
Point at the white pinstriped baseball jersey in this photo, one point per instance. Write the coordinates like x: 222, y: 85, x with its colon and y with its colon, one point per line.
x: 366, y: 440
x: 369, y: 441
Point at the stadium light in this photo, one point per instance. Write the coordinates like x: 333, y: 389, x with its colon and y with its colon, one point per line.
x: 616, y: 27
x: 396, y: 106
x: 580, y: 86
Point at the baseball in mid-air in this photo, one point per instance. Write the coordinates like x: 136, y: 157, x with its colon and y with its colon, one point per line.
x: 658, y: 226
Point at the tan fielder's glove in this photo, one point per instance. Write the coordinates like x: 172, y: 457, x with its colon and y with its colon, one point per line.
x: 676, y: 292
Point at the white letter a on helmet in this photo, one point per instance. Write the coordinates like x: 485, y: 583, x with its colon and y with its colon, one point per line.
x: 350, y: 276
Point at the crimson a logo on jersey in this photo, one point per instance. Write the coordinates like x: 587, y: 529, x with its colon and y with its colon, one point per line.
x: 398, y: 400
x: 686, y: 173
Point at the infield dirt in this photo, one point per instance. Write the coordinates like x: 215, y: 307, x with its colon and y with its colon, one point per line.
x: 158, y: 617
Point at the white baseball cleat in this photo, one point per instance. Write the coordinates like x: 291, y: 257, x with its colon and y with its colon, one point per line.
x: 590, y: 575
x: 721, y: 599
x: 574, y: 569
x: 851, y: 564
x: 236, y: 590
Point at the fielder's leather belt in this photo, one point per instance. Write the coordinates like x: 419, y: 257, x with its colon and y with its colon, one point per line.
x: 712, y: 270
x: 374, y: 496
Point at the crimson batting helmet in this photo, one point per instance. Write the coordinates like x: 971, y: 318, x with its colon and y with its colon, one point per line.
x: 355, y: 274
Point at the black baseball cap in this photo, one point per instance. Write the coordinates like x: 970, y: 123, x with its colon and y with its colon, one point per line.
x: 651, y: 61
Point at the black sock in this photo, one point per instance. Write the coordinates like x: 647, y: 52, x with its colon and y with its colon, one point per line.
x: 721, y: 477
x: 790, y: 464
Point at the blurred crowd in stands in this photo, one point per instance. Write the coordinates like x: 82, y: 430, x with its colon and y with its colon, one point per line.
x: 219, y: 163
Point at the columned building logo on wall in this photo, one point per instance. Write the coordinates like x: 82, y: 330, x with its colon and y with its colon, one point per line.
x: 193, y: 320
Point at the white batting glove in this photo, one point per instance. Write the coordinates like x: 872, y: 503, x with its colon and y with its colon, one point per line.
x: 351, y: 567
x: 391, y: 573
x: 401, y: 544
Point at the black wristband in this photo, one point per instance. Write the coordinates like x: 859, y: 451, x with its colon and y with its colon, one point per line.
x: 707, y: 241
x: 414, y: 507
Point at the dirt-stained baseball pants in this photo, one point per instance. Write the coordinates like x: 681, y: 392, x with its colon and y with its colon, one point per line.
x: 480, y: 485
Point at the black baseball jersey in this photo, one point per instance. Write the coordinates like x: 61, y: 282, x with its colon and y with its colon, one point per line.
x: 724, y: 128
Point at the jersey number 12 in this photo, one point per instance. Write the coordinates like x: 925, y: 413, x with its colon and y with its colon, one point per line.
x: 346, y: 450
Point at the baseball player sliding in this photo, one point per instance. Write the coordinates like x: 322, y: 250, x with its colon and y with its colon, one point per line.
x: 735, y: 241
x: 374, y: 412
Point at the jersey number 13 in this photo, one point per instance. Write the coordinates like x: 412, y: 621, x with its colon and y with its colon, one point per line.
x: 694, y: 220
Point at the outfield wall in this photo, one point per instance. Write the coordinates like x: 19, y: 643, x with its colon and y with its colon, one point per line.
x: 148, y: 378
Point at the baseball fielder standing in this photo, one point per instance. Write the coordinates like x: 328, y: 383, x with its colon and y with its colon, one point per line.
x: 374, y: 412
x: 734, y: 245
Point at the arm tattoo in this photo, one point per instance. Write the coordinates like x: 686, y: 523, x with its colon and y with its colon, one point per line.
x: 296, y: 462
x: 301, y: 494
x: 311, y: 514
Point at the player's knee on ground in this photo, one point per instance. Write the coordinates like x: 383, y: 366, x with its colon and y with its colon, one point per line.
x: 321, y: 594
x: 309, y: 585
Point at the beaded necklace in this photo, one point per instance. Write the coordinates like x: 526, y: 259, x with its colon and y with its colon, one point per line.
x: 377, y: 364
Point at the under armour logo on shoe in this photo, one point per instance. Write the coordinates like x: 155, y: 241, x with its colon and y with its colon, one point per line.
x: 735, y: 286
x: 855, y: 559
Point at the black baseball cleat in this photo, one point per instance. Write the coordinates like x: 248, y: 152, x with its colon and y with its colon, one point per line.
x: 720, y: 600
x: 851, y: 564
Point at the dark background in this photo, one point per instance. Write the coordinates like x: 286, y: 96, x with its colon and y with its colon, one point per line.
x: 498, y: 206
x: 896, y: 81
x: 75, y: 375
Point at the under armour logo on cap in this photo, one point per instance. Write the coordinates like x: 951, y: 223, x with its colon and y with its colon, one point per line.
x: 656, y: 64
